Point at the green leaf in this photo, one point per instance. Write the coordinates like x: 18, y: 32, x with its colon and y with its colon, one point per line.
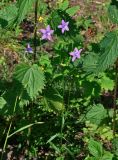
x: 115, y: 146
x: 109, y: 50
x: 73, y: 10
x: 96, y: 114
x: 23, y: 128
x: 113, y: 13
x: 107, y: 156
x: 2, y: 102
x: 24, y: 7
x: 55, y: 99
x: 90, y: 62
x: 106, y: 83
x: 57, y: 149
x: 8, y: 14
x: 53, y: 137
x: 31, y: 77
x: 64, y: 5
x: 95, y: 148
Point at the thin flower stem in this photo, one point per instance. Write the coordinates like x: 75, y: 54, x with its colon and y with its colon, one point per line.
x: 35, y: 29
x: 114, y: 102
x: 7, y: 136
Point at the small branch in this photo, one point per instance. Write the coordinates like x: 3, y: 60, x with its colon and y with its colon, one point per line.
x: 35, y: 30
x: 114, y: 102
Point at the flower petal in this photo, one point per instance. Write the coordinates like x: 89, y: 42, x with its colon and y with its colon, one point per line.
x: 71, y: 53
x: 63, y: 30
x: 74, y: 58
x: 44, y: 37
x: 42, y: 30
x: 48, y: 28
x: 60, y: 26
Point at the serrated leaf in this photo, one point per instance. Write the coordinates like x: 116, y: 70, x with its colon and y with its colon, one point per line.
x: 24, y: 8
x: 55, y: 99
x: 109, y: 50
x: 113, y: 13
x: 31, y: 77
x: 64, y: 5
x: 90, y: 62
x: 106, y: 83
x: 107, y: 156
x: 8, y: 15
x: 95, y: 148
x: 73, y: 10
x: 96, y: 114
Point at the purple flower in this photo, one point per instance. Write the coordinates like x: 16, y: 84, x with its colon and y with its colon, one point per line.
x: 29, y: 49
x: 75, y: 54
x: 47, y: 33
x: 64, y: 26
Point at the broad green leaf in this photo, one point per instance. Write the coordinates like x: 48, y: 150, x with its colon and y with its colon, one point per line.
x: 8, y: 15
x: 96, y: 114
x: 2, y: 102
x: 64, y: 5
x: 107, y: 156
x: 55, y: 99
x: 73, y: 10
x: 109, y: 50
x: 90, y: 62
x: 31, y: 77
x: 95, y: 148
x: 24, y: 7
x: 106, y: 83
x: 113, y: 13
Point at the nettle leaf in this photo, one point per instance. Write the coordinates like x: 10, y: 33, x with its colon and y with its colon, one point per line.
x: 73, y: 10
x: 31, y: 77
x: 96, y: 114
x: 24, y: 8
x: 109, y: 50
x: 55, y: 100
x: 64, y: 5
x: 8, y: 15
x: 90, y: 62
x: 113, y: 13
x: 107, y: 156
x: 106, y: 83
x: 95, y: 148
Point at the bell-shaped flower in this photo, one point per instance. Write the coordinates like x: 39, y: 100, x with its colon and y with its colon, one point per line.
x: 75, y: 54
x: 47, y: 33
x: 64, y: 26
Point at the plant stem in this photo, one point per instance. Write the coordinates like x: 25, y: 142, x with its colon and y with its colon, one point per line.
x: 7, y: 136
x: 114, y: 102
x: 35, y: 29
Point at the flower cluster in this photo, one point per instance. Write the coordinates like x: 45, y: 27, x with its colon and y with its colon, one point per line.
x: 47, y: 35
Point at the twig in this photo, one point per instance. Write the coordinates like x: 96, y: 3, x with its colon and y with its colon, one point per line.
x: 114, y: 102
x: 35, y: 30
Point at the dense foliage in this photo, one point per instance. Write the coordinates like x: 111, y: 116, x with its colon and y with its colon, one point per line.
x: 59, y: 77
